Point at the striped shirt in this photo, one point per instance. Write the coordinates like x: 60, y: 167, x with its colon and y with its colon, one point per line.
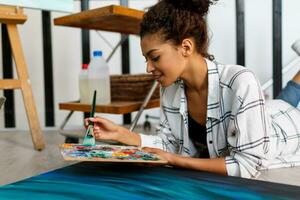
x: 248, y: 132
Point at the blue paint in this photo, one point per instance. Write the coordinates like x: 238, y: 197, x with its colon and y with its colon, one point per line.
x: 92, y: 180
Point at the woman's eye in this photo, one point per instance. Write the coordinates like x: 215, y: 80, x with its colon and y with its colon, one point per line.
x: 155, y: 59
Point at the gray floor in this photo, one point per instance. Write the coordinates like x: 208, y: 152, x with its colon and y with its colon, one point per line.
x: 18, y: 159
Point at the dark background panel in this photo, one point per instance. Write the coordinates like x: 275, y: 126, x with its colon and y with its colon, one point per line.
x: 48, y: 69
x: 7, y: 67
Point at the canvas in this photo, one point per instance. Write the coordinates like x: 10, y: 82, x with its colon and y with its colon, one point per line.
x: 94, y: 180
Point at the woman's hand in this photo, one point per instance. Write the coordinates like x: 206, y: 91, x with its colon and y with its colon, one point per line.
x: 214, y: 165
x: 105, y: 129
x: 169, y: 157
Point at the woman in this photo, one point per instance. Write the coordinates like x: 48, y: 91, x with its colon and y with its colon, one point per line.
x: 213, y: 116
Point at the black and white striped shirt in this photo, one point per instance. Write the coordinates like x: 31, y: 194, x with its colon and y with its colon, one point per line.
x: 252, y: 135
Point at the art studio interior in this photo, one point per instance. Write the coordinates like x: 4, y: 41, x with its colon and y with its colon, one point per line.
x: 149, y: 99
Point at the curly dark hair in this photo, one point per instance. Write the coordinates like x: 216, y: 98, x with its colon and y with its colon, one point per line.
x: 177, y: 20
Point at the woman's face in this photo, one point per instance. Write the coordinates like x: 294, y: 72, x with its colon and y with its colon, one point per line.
x: 164, y: 60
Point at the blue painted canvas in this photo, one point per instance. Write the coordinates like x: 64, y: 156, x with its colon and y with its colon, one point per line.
x: 91, y: 180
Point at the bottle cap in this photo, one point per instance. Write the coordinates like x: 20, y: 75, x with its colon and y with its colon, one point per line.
x: 85, y: 66
x: 97, y: 53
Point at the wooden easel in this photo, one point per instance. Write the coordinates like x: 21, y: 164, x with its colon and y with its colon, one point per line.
x: 11, y: 16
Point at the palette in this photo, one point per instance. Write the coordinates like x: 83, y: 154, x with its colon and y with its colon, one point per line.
x: 108, y: 153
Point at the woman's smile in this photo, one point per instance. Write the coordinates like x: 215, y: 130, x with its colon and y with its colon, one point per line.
x: 157, y: 77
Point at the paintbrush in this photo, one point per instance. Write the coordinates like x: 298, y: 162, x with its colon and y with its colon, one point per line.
x: 89, y: 138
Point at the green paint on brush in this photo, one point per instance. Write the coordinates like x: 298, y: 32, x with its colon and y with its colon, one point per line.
x: 89, y: 138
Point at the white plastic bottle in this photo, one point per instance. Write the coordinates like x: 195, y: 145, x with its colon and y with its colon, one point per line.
x: 84, y: 84
x: 98, y: 75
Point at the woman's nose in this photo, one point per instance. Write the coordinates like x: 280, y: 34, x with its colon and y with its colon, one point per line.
x: 150, y: 67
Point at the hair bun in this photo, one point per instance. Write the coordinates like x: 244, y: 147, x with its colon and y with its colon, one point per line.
x: 199, y: 6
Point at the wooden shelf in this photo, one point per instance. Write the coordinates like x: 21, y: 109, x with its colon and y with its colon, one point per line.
x: 110, y: 18
x: 119, y: 107
x: 114, y: 19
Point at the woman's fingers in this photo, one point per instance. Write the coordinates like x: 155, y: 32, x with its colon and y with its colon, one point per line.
x: 86, y: 122
x: 97, y: 135
x: 95, y: 119
x: 104, y: 135
x: 103, y: 123
x: 100, y: 120
x: 96, y: 128
x: 163, y: 154
x: 103, y: 129
x: 151, y: 150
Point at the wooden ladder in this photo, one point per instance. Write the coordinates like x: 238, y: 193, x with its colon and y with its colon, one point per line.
x: 11, y: 16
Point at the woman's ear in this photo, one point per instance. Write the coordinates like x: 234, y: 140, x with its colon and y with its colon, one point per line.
x: 187, y: 47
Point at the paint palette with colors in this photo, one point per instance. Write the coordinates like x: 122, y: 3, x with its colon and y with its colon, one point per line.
x: 108, y: 153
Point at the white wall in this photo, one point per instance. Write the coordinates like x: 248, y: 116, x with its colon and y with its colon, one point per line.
x: 258, y: 28
x: 291, y: 32
x: 66, y: 66
x: 222, y: 25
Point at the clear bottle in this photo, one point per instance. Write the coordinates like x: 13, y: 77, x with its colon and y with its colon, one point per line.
x: 84, y: 84
x: 98, y: 75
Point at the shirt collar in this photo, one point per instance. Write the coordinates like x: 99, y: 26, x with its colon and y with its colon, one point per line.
x: 213, y: 99
x: 179, y: 98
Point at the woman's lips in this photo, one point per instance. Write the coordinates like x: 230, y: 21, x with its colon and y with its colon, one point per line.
x: 157, y: 77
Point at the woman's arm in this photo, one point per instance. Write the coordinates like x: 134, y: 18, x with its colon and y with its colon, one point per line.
x: 214, y: 165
